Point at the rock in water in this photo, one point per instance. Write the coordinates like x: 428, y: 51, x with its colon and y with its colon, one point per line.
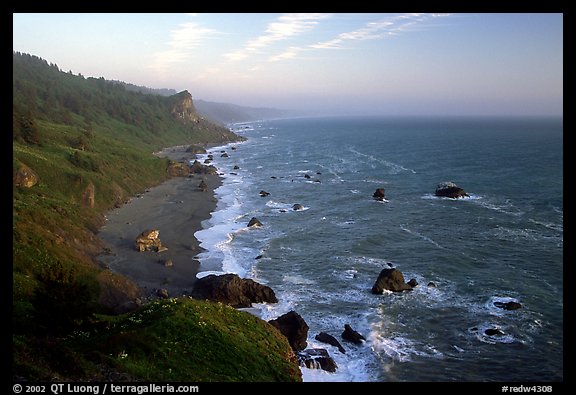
x: 317, y: 358
x: 264, y: 193
x: 329, y: 339
x: 293, y: 326
x: 391, y: 280
x: 494, y: 332
x: 379, y: 194
x: 232, y: 290
x: 412, y: 282
x: 254, y: 222
x: 149, y: 240
x: 450, y: 190
x: 508, y: 305
x: 297, y: 207
x: 351, y: 335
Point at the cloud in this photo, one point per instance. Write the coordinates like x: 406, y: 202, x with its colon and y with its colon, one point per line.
x: 183, y: 39
x: 389, y: 26
x: 289, y: 53
x: 283, y: 28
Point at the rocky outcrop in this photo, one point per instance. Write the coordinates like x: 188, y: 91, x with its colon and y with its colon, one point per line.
x: 391, y: 280
x: 203, y: 186
x: 88, y: 195
x: 351, y: 335
x: 293, y: 326
x: 317, y: 358
x: 183, y: 108
x: 329, y: 339
x: 23, y: 176
x: 195, y: 149
x: 149, y: 240
x: 450, y: 190
x: 264, y: 193
x: 379, y: 194
x: 232, y: 290
x: 199, y: 168
x: 178, y: 169
x: 254, y: 223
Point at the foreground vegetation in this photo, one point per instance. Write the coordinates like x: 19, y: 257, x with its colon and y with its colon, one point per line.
x: 85, y: 145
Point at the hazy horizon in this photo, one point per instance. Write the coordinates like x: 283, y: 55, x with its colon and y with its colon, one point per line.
x: 347, y: 64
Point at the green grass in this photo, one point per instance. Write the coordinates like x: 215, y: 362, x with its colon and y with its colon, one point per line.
x: 74, y: 132
x: 188, y: 340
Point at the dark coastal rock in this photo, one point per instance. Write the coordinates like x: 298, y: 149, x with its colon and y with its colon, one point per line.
x: 412, y: 282
x: 232, y: 290
x: 317, y: 358
x: 207, y: 161
x: 307, y: 176
x: 254, y: 223
x: 450, y: 190
x: 199, y: 168
x: 23, y: 176
x: 351, y: 335
x: 329, y: 339
x: 391, y: 280
x: 236, y: 167
x: 264, y: 193
x: 431, y: 284
x: 149, y: 240
x: 162, y: 293
x: 379, y: 194
x: 293, y: 326
x: 297, y: 207
x: 203, y: 186
x: 508, y: 305
x: 225, y: 155
x: 494, y: 332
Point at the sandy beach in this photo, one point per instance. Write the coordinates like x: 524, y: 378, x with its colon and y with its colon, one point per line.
x: 176, y: 208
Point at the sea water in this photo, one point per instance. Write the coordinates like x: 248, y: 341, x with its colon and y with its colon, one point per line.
x: 504, y: 242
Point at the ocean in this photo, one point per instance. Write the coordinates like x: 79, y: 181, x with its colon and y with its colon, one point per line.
x: 504, y: 242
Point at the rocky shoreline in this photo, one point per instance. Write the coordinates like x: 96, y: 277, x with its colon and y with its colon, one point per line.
x: 172, y: 211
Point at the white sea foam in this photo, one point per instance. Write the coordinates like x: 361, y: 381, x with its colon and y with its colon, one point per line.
x: 420, y: 235
x: 394, y: 167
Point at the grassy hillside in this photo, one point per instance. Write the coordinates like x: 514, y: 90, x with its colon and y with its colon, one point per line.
x: 80, y: 147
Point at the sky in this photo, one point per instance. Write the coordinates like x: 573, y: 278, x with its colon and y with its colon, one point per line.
x: 357, y: 64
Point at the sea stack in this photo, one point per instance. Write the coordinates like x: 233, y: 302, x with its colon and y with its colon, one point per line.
x: 450, y: 190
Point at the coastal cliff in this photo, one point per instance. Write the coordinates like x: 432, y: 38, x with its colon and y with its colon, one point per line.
x: 82, y: 146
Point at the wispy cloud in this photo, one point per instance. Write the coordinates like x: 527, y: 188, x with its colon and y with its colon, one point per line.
x: 289, y: 53
x: 285, y: 27
x: 183, y: 39
x: 389, y: 26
